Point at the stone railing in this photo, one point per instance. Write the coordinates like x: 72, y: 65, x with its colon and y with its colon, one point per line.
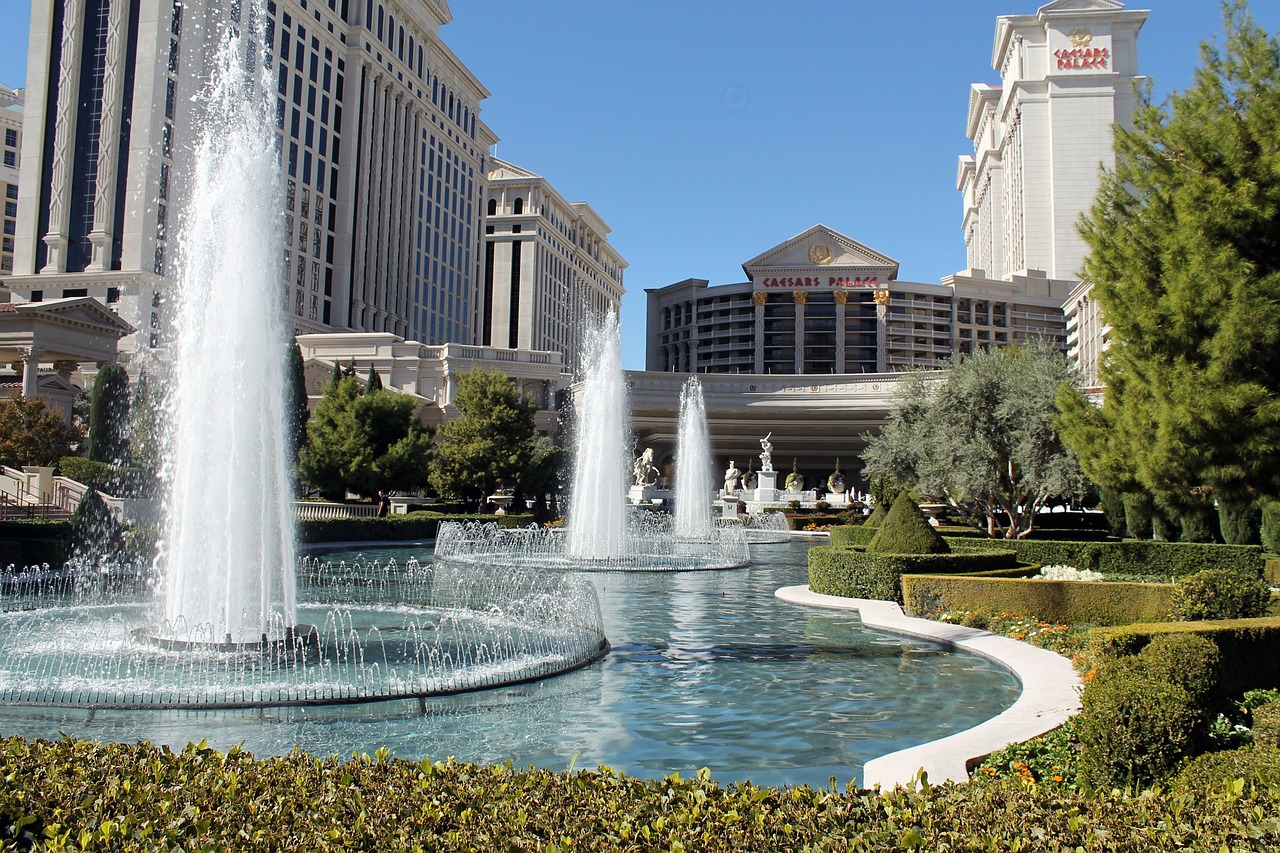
x: 326, y: 510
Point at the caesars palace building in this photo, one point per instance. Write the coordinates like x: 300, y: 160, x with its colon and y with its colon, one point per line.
x: 808, y: 345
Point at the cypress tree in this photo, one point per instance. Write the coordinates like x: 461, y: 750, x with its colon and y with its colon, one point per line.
x: 373, y: 382
x: 296, y: 400
x: 109, y: 416
x: 1186, y: 270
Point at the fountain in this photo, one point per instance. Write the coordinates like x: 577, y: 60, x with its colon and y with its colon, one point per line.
x: 693, y: 466
x: 226, y: 617
x: 602, y: 533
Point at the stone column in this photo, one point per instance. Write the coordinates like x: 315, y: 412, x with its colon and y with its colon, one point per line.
x: 64, y: 130
x: 30, y: 370
x: 799, y: 297
x: 882, y: 330
x: 109, y: 136
x: 759, y: 297
x: 841, y: 298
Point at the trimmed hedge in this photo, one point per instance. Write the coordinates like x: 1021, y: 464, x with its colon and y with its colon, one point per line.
x: 1092, y: 602
x: 394, y: 528
x: 78, y: 795
x: 851, y: 535
x: 1250, y: 648
x: 34, y: 542
x: 1270, y: 530
x: 1266, y: 725
x: 1131, y: 556
x: 1210, y: 773
x: 906, y: 531
x: 851, y: 573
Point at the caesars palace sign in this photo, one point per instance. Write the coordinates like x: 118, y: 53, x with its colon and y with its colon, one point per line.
x: 821, y: 281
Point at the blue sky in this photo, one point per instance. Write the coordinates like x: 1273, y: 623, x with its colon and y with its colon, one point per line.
x: 707, y: 131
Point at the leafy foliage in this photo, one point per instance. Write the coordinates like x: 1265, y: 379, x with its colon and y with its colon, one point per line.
x: 1186, y: 269
x: 146, y: 424
x: 493, y: 443
x: 982, y: 436
x: 79, y: 795
x: 1220, y: 594
x: 109, y: 416
x: 33, y: 434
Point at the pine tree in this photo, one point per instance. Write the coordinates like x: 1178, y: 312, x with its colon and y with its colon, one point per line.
x: 296, y: 410
x: 1185, y: 263
x: 373, y: 382
x: 109, y: 416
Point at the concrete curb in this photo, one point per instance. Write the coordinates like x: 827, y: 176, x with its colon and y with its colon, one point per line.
x: 1050, y: 691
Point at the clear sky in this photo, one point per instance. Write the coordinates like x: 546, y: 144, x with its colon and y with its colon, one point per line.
x: 705, y: 132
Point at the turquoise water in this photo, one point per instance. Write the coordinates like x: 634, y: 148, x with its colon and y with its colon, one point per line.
x: 708, y: 669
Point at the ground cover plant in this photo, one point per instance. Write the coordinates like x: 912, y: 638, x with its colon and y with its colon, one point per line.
x: 72, y: 795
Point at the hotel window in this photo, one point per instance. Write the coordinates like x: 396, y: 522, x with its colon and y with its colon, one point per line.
x: 11, y: 137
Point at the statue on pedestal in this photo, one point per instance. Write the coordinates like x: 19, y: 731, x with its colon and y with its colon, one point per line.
x: 643, y: 470
x: 766, y: 454
x: 732, y: 476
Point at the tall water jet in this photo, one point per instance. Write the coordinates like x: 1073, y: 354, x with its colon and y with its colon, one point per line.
x: 597, y: 517
x: 227, y: 558
x: 693, y: 466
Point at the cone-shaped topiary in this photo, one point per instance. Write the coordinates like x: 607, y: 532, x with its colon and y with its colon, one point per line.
x: 905, y: 530
x: 877, y: 515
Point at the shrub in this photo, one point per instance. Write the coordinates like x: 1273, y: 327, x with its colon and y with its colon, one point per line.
x: 851, y: 573
x: 1270, y: 532
x: 1239, y: 521
x: 1247, y: 647
x: 1143, y: 715
x: 1163, y: 559
x: 1075, y: 602
x: 1220, y: 594
x: 852, y: 536
x: 1137, y: 514
x: 906, y: 531
x: 1266, y: 725
x: 877, y: 515
x: 1213, y: 771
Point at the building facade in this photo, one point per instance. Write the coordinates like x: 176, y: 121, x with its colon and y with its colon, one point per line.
x: 822, y: 303
x: 383, y: 160
x: 11, y: 103
x: 1067, y: 77
x: 548, y: 265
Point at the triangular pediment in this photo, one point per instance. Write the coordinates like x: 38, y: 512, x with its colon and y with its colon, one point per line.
x: 82, y: 311
x: 1081, y: 6
x: 315, y: 375
x: 502, y: 170
x: 821, y: 248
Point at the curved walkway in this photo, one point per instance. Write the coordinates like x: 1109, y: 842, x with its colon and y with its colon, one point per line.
x: 1050, y: 691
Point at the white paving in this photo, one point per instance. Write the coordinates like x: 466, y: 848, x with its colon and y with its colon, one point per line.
x: 1050, y: 691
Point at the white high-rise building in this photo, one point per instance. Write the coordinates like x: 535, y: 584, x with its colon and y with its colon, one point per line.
x: 11, y: 103
x: 548, y: 266
x: 383, y: 159
x: 1067, y: 78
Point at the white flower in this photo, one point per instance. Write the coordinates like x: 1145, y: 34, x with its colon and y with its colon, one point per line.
x: 1068, y: 573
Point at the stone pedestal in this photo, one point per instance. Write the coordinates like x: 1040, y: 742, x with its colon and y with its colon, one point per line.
x: 729, y: 507
x: 767, y: 486
x: 837, y: 498
x: 647, y: 495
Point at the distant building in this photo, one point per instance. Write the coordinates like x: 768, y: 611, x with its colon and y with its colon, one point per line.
x: 383, y: 161
x: 548, y: 265
x: 822, y: 303
x: 11, y: 101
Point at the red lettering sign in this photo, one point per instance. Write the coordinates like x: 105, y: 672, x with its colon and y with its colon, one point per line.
x: 1081, y: 58
x: 816, y: 281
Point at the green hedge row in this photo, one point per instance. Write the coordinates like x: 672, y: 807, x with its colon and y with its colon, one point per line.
x: 851, y: 535
x: 1250, y: 648
x: 1092, y: 602
x: 394, y: 528
x: 34, y: 542
x: 852, y: 573
x: 1171, y: 559
x: 77, y: 795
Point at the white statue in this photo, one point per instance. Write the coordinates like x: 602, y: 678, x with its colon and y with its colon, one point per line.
x: 766, y: 454
x: 643, y: 470
x: 731, y: 477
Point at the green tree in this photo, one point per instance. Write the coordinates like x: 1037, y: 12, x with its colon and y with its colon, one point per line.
x: 296, y: 411
x: 109, y: 416
x: 33, y: 434
x: 146, y: 424
x: 981, y: 436
x: 363, y: 442
x: 493, y: 443
x: 1186, y: 269
x: 373, y: 382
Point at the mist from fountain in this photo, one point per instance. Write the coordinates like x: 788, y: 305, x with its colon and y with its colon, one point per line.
x: 227, y: 558
x: 693, y: 519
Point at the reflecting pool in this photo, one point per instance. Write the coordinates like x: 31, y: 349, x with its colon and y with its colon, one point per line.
x: 707, y: 669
